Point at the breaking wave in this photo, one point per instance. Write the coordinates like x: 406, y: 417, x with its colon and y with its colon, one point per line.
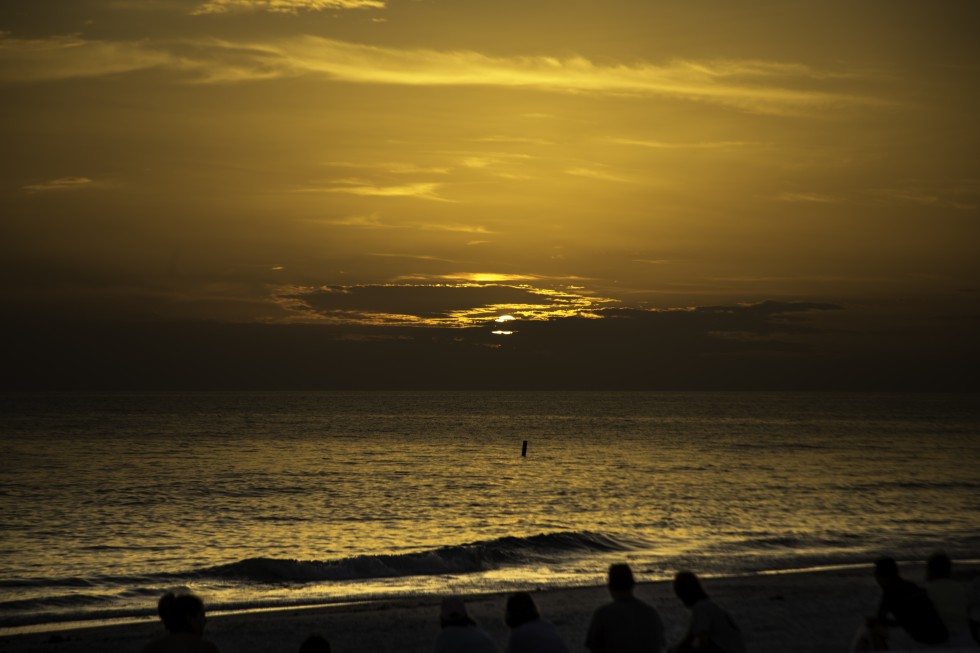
x: 460, y: 559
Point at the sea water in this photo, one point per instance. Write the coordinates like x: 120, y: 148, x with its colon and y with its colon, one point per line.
x: 271, y: 499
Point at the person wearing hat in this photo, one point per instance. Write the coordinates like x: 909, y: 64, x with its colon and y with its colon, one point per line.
x: 627, y: 625
x: 459, y: 633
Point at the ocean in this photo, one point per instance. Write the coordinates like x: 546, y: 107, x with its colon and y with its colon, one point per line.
x: 270, y: 499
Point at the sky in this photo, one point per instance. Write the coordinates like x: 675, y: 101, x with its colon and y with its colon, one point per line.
x: 589, y: 194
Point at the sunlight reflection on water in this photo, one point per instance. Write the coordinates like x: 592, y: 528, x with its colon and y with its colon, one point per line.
x: 115, y: 489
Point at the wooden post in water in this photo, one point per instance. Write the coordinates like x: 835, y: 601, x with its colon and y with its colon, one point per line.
x: 524, y: 450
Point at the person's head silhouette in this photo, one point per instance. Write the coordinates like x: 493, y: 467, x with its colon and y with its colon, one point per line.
x: 621, y: 581
x: 182, y: 613
x: 520, y: 609
x: 688, y: 588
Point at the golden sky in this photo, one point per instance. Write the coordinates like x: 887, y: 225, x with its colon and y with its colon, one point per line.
x: 594, y: 168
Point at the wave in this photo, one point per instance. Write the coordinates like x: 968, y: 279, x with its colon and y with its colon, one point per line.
x: 60, y: 601
x: 460, y: 559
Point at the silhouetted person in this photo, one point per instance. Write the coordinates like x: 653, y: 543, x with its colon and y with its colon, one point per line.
x: 529, y: 633
x: 903, y: 605
x: 459, y: 633
x: 949, y: 598
x: 627, y: 625
x: 183, y: 617
x: 712, y: 628
x: 315, y: 644
x: 973, y: 608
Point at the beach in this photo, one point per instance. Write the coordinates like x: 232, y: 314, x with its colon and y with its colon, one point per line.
x: 351, y: 514
x: 804, y: 611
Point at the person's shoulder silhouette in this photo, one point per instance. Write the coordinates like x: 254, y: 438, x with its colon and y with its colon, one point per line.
x: 315, y: 644
x: 626, y: 624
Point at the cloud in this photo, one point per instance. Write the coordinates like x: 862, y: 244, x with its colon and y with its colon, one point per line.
x: 70, y: 57
x: 769, y: 345
x: 61, y: 184
x: 699, y: 145
x: 412, y: 257
x: 520, y: 140
x: 374, y: 221
x: 457, y: 304
x: 284, y: 6
x: 812, y: 198
x: 377, y: 223
x: 747, y: 85
x: 959, y: 195
x: 483, y: 277
x: 593, y: 173
x: 421, y: 190
x: 392, y: 167
x: 740, y: 84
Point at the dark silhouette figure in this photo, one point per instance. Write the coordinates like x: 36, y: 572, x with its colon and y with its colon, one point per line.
x: 949, y: 598
x: 903, y: 605
x: 183, y: 617
x: 712, y: 628
x: 315, y: 644
x: 973, y: 609
x: 529, y: 632
x: 459, y: 633
x: 627, y: 625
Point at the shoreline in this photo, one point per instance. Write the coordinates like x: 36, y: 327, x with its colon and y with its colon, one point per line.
x: 148, y: 613
x: 813, y: 611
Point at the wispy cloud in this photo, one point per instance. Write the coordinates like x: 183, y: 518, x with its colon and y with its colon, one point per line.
x: 755, y: 86
x: 60, y: 185
x: 485, y: 277
x: 70, y: 57
x: 423, y: 190
x: 959, y: 195
x: 811, y: 198
x: 376, y: 222
x: 750, y: 85
x: 594, y: 173
x: 412, y: 257
x: 697, y: 145
x: 393, y: 167
x: 284, y: 6
x: 521, y: 140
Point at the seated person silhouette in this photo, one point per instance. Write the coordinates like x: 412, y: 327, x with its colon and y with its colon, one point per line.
x: 183, y: 618
x: 315, y: 644
x: 712, y: 629
x: 905, y: 618
x: 949, y: 597
x: 627, y: 625
x: 529, y: 633
x: 459, y: 633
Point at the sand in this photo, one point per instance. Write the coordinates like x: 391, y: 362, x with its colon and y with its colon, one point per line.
x: 802, y: 612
